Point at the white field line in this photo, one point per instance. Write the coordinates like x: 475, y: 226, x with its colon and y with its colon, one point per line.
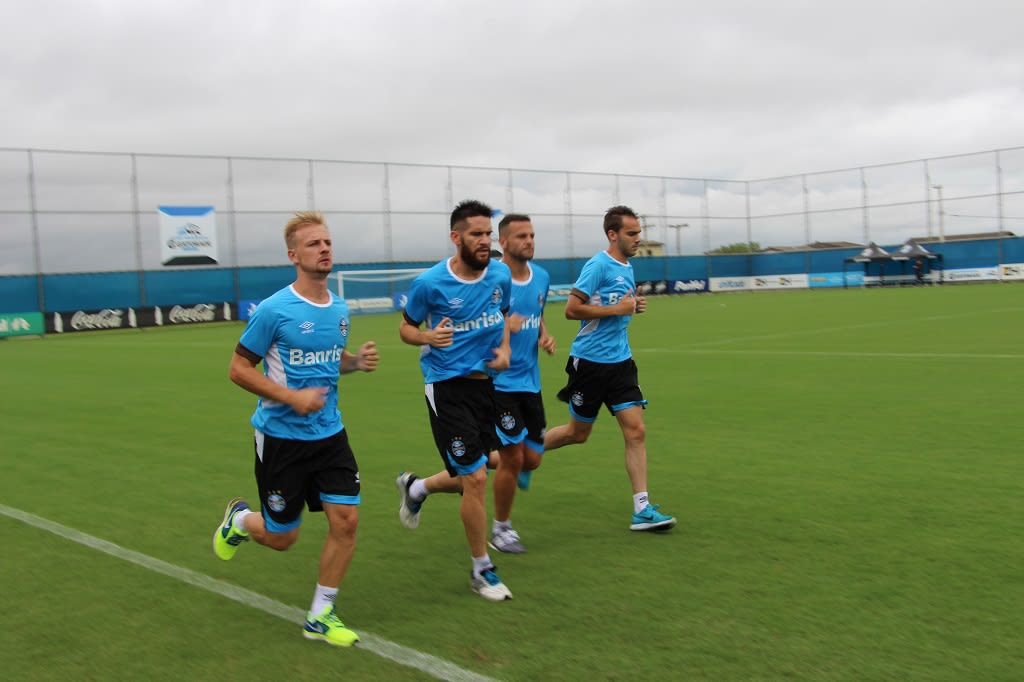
x: 411, y: 658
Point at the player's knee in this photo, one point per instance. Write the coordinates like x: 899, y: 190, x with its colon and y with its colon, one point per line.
x: 512, y: 458
x: 475, y: 482
x: 635, y: 432
x: 345, y: 527
x: 578, y: 436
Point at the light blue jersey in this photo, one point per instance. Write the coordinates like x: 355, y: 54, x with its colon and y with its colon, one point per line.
x: 605, y: 281
x: 301, y: 344
x: 528, y: 299
x: 476, y: 308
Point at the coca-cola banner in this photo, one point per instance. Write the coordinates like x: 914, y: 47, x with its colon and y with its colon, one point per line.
x: 124, y: 318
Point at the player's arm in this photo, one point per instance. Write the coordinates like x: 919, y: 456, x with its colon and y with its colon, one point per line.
x: 438, y: 337
x: 578, y: 307
x: 545, y: 340
x: 503, y: 353
x: 364, y: 361
x: 244, y: 373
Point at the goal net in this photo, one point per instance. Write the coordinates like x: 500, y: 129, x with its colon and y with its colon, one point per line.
x: 375, y: 291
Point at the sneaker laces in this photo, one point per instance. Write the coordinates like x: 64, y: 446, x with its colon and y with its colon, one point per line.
x: 490, y: 577
x: 650, y: 510
x: 507, y: 535
x: 331, y: 619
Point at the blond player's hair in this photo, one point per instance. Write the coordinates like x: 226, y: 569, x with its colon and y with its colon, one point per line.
x: 301, y: 219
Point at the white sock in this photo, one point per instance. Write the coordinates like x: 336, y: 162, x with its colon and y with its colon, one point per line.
x: 238, y: 522
x: 480, y: 563
x: 418, y: 490
x: 639, y: 501
x: 322, y: 598
x: 501, y: 525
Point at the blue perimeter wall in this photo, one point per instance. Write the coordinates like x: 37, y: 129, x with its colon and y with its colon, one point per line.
x: 97, y: 290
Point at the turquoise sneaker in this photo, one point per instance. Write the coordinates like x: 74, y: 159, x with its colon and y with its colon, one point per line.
x: 523, y: 481
x: 649, y: 518
x: 226, y: 539
x: 327, y: 627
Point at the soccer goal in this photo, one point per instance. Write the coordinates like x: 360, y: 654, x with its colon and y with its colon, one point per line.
x: 369, y: 291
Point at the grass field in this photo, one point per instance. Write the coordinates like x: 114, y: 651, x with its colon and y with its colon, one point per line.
x: 846, y: 467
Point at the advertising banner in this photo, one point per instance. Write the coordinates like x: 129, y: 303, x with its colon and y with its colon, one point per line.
x: 971, y: 274
x: 376, y: 304
x: 188, y: 235
x: 21, y: 324
x: 247, y: 308
x: 688, y: 286
x: 1011, y: 271
x: 192, y: 314
x: 559, y: 292
x: 654, y: 287
x: 730, y: 283
x: 796, y: 281
x: 131, y: 318
x: 91, y: 320
x: 835, y: 279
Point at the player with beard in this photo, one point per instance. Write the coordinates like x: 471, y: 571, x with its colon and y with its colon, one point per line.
x: 520, y: 420
x: 455, y: 312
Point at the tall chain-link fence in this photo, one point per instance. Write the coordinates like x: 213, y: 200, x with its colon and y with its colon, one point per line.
x: 68, y: 211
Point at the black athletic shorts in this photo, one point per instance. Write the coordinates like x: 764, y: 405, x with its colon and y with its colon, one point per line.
x: 592, y: 384
x: 462, y: 416
x: 294, y: 473
x: 521, y: 419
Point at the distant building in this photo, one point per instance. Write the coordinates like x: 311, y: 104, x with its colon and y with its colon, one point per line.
x: 813, y: 246
x: 961, y: 237
x: 650, y: 248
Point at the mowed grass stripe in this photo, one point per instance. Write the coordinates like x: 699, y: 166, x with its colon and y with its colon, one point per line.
x: 405, y: 656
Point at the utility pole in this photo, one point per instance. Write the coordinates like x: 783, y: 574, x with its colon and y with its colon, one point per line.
x: 942, y: 214
x: 678, y: 227
x: 647, y: 244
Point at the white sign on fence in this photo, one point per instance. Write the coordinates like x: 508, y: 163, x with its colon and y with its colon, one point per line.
x: 188, y: 235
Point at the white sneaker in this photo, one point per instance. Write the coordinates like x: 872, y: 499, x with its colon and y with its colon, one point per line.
x: 408, y: 510
x: 489, y: 586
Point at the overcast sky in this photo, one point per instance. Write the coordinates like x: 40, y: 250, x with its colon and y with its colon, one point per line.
x: 719, y: 90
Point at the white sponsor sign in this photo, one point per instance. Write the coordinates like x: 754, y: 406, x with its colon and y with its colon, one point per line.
x: 798, y: 281
x: 378, y: 304
x: 971, y: 274
x: 1011, y: 271
x: 731, y: 283
x: 188, y: 235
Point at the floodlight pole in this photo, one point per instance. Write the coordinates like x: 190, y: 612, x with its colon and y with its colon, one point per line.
x: 942, y: 214
x: 678, y: 227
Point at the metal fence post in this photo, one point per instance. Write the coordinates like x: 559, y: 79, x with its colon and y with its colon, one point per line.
x: 37, y: 255
x: 137, y: 226
x: 233, y: 225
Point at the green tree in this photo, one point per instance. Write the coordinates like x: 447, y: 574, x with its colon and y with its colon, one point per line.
x: 738, y: 247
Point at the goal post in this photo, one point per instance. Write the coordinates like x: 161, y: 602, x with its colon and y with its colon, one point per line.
x: 375, y: 291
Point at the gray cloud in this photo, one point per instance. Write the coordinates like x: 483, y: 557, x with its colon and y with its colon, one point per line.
x: 739, y: 89
x: 729, y: 90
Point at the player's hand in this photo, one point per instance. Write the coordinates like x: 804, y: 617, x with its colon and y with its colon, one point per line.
x: 441, y: 335
x: 547, y: 344
x: 306, y: 400
x: 515, y: 322
x: 368, y: 357
x: 626, y: 304
x: 641, y: 304
x: 502, y: 358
